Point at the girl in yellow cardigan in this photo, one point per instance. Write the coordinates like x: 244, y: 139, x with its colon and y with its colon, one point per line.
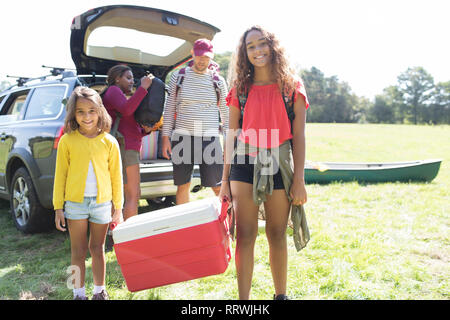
x: 88, y: 185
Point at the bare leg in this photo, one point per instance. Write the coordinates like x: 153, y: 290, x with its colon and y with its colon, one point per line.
x: 97, y: 250
x: 277, y: 213
x: 132, y: 191
x: 182, y: 195
x: 246, y: 231
x: 78, y: 247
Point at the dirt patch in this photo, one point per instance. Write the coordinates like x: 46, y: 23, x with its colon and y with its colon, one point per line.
x: 42, y: 294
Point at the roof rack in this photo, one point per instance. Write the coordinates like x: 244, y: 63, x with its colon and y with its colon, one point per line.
x: 55, y: 71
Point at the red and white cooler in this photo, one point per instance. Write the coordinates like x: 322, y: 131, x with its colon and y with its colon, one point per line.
x: 174, y: 244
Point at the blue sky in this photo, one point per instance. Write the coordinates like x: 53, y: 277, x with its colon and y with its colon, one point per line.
x: 365, y: 43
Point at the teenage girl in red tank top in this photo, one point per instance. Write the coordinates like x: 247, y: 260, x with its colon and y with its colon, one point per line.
x: 261, y: 66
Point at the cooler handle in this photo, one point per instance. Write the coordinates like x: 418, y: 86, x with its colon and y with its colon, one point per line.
x: 224, y: 210
x: 229, y: 251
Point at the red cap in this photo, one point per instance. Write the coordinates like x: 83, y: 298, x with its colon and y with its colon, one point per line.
x: 203, y: 47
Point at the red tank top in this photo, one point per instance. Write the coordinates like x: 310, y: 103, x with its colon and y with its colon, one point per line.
x: 265, y: 123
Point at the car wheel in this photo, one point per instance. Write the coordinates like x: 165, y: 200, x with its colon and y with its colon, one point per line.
x: 28, y: 214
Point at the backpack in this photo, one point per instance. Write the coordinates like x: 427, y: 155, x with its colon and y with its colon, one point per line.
x: 213, y: 66
x: 150, y: 110
x: 288, y: 105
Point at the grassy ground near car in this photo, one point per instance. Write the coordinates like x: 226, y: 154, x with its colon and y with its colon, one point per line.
x: 368, y: 241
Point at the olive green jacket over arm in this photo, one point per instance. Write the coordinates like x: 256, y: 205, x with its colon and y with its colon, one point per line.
x: 267, y: 162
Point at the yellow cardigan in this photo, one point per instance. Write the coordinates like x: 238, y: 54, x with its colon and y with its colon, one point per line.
x: 72, y: 164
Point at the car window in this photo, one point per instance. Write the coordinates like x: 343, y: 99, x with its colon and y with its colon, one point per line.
x: 132, y: 46
x: 46, y: 102
x: 17, y: 105
x: 13, y: 107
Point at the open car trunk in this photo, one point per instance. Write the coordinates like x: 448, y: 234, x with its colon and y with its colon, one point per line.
x: 158, y: 40
x: 145, y: 39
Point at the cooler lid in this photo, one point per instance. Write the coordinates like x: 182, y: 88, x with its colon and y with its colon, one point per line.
x: 167, y: 219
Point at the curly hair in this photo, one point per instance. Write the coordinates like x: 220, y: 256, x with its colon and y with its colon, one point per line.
x: 243, y: 74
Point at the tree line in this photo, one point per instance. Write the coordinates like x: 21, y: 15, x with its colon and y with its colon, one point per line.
x: 415, y: 99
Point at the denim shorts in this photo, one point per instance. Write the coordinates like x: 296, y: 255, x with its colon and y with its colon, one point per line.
x: 89, y: 209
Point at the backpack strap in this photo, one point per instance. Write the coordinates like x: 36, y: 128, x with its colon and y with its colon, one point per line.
x: 242, y: 101
x: 214, y: 68
x: 214, y: 76
x: 289, y: 106
x: 180, y: 80
x: 216, y: 79
x: 115, y: 126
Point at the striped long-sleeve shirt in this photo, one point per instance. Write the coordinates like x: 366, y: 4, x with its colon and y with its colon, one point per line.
x: 196, y: 109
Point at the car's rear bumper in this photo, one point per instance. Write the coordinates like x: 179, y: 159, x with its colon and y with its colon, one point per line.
x: 157, y: 179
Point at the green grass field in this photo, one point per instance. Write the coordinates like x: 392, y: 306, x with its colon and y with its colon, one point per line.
x: 368, y: 241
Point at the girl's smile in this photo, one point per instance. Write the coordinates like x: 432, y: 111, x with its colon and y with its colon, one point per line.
x: 87, y: 117
x: 258, y: 50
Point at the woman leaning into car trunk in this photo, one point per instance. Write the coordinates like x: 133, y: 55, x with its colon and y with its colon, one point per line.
x: 129, y: 133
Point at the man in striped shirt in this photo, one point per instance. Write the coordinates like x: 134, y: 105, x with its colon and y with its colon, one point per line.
x: 191, y: 122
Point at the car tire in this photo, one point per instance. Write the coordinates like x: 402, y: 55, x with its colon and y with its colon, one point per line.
x: 27, y: 213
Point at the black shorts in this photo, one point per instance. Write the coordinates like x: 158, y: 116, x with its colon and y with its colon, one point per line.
x: 243, y: 169
x: 206, y: 152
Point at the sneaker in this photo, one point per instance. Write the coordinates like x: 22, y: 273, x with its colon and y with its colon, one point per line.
x: 80, y: 298
x: 281, y: 297
x: 103, y: 295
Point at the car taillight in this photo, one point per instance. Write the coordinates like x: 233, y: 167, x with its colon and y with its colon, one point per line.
x: 60, y: 133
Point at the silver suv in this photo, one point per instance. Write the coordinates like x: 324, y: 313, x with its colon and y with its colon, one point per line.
x: 32, y: 112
